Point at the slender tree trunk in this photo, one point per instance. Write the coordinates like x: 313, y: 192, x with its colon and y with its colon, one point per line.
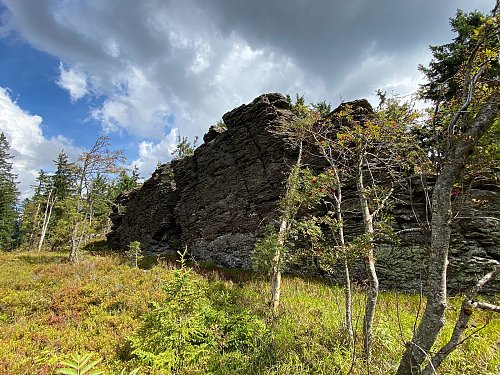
x: 90, y: 221
x: 73, y: 254
x: 75, y: 238
x: 417, y: 350
x: 433, y: 318
x: 468, y: 306
x: 82, y: 237
x: 51, y: 200
x: 348, y: 301
x: 372, y: 294
x: 276, y: 272
x: 348, y: 292
x: 288, y: 212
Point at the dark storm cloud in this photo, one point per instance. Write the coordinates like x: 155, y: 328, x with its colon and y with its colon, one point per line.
x: 193, y: 60
x: 329, y: 37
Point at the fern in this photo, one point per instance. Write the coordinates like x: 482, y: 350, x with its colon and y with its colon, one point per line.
x: 80, y: 365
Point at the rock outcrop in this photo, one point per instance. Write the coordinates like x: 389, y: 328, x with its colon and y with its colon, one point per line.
x: 148, y: 215
x: 219, y: 200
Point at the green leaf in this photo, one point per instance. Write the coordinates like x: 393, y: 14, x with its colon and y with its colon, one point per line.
x: 67, y: 371
x: 84, y: 368
x: 80, y: 365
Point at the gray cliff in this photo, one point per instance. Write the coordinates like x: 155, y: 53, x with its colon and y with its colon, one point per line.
x: 219, y: 200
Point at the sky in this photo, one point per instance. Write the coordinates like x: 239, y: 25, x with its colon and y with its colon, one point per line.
x: 144, y: 71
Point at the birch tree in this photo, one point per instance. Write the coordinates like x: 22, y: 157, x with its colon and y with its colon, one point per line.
x: 97, y: 161
x: 376, y: 148
x: 295, y: 133
x: 270, y: 254
x: 463, y: 85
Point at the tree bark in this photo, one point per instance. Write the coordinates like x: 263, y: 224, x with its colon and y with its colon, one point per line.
x: 468, y: 306
x: 51, y: 200
x: 75, y: 238
x: 348, y: 292
x: 73, y: 254
x: 276, y: 272
x: 372, y: 294
x: 417, y: 350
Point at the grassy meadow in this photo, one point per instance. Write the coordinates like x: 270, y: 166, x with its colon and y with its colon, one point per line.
x: 50, y: 309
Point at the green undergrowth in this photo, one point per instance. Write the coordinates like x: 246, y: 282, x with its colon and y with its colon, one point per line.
x: 201, y: 320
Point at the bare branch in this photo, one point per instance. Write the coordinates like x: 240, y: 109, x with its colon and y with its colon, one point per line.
x: 468, y: 100
x: 383, y: 202
x: 408, y: 230
x: 466, y: 311
x: 486, y: 306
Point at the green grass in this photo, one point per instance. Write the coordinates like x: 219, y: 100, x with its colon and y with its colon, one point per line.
x: 50, y: 309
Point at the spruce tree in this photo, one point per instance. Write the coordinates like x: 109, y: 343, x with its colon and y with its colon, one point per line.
x: 8, y: 195
x: 64, y: 185
x: 64, y: 178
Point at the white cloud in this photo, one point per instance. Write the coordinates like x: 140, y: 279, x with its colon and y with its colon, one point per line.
x: 171, y: 66
x: 32, y: 151
x: 150, y: 154
x: 74, y: 81
x: 136, y: 105
x: 160, y: 65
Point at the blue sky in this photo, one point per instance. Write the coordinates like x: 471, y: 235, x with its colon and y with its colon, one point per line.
x: 31, y: 76
x: 144, y: 71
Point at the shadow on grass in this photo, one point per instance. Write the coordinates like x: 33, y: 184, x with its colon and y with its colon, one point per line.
x: 236, y: 275
x: 44, y: 259
x: 98, y: 248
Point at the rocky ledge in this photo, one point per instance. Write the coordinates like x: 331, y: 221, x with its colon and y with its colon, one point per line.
x: 219, y: 200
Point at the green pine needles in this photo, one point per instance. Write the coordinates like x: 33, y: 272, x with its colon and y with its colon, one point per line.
x: 134, y: 253
x: 190, y: 331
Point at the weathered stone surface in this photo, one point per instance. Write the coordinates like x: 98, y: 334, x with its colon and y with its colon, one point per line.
x: 230, y: 186
x: 213, y: 132
x: 147, y: 215
x: 218, y: 202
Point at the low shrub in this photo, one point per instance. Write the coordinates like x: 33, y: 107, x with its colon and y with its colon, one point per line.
x: 187, y: 331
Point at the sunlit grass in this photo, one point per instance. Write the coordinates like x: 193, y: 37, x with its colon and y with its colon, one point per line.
x: 50, y: 309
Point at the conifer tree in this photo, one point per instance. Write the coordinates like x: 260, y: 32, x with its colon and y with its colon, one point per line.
x: 63, y: 182
x: 8, y: 195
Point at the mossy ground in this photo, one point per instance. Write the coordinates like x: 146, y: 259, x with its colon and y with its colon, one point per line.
x: 50, y: 309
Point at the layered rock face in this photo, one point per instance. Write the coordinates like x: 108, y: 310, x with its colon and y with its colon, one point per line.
x: 218, y: 202
x: 147, y: 215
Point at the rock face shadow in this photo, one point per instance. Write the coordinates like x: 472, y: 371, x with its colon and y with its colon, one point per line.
x: 219, y: 200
